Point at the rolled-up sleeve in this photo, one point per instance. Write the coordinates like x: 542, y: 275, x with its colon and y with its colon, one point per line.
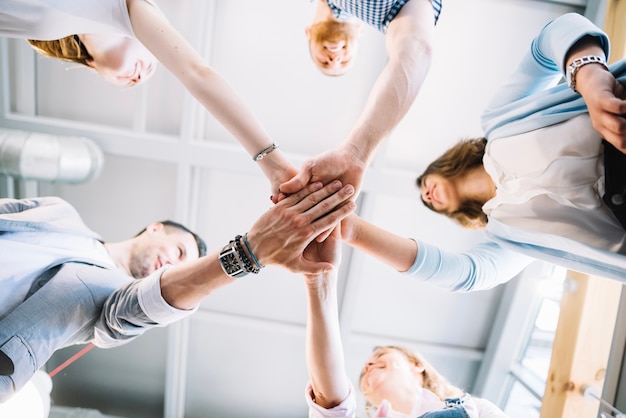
x: 132, y: 309
x: 346, y: 409
x: 484, y: 266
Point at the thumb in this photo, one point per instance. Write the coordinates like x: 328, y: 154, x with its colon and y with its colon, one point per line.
x: 297, y: 183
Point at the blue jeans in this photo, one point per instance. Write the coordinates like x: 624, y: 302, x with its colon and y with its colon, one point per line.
x: 454, y: 409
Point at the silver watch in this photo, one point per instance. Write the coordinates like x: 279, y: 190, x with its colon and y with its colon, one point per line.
x: 577, y: 64
x: 231, y: 262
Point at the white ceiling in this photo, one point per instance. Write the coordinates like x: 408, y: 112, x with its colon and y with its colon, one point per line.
x: 242, y: 353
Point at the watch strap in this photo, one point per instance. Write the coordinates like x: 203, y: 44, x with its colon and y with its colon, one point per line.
x: 580, y: 62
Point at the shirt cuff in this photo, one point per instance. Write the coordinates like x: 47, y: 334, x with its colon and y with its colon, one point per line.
x: 153, y: 304
x: 346, y: 409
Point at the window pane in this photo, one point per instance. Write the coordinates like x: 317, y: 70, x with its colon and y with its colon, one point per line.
x: 522, y: 403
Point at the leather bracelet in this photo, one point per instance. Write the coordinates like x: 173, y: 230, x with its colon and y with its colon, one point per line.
x: 263, y: 153
x: 580, y: 62
x: 244, y: 258
x: 254, y: 259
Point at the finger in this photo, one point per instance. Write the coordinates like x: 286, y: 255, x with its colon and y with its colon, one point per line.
x: 294, y: 199
x: 331, y: 219
x: 322, y: 237
x: 322, y: 197
x: 297, y: 183
x: 614, y: 105
x: 322, y: 203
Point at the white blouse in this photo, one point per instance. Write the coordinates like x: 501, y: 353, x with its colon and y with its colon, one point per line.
x: 550, y: 181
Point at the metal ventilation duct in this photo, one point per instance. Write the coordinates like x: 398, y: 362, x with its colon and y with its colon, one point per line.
x: 45, y: 157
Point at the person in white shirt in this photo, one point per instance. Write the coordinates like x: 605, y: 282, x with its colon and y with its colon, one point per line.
x: 123, y: 40
x: 395, y: 381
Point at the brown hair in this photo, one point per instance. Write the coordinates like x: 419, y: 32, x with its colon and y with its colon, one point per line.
x: 466, y: 155
x: 433, y: 380
x: 69, y: 49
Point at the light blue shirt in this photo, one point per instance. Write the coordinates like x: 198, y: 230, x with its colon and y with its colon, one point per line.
x: 88, y: 300
x: 532, y: 99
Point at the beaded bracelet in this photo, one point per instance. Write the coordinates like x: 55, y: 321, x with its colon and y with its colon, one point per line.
x: 242, y: 254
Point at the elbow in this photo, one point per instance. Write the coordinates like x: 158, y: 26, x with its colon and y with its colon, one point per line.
x: 416, y: 50
x: 196, y: 77
x: 413, y: 60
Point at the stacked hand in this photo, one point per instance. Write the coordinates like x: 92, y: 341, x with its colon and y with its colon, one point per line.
x: 342, y: 164
x: 281, y: 236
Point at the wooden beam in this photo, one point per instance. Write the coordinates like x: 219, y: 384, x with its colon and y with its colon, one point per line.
x: 615, y: 28
x: 582, y: 344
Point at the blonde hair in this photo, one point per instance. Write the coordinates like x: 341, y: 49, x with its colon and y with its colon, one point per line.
x: 433, y: 380
x: 69, y: 49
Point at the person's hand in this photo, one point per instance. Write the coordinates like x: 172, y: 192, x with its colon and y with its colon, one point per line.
x: 605, y: 100
x: 327, y: 251
x: 340, y: 164
x: 277, y: 170
x: 279, y: 177
x: 348, y: 228
x: 281, y: 235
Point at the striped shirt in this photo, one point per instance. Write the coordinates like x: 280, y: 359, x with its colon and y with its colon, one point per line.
x: 378, y: 13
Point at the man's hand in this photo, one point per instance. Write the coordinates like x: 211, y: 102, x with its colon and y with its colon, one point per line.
x: 605, y: 100
x: 281, y: 235
x: 327, y: 251
x: 340, y: 164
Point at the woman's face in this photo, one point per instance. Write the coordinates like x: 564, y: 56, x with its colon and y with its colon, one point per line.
x: 121, y: 60
x: 387, y: 372
x: 440, y: 193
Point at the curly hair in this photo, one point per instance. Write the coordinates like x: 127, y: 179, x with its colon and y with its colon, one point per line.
x: 69, y: 49
x: 466, y: 155
x: 433, y: 380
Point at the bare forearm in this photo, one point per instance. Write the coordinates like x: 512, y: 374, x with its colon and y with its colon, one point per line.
x: 408, y: 42
x: 186, y: 285
x: 324, y: 350
x: 395, y: 251
x: 206, y: 85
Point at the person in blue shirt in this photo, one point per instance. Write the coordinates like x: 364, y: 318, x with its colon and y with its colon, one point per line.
x: 108, y: 293
x: 536, y: 183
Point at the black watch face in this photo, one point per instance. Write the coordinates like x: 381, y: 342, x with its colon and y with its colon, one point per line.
x: 230, y: 263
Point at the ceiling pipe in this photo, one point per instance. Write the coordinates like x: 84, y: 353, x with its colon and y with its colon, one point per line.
x: 46, y: 157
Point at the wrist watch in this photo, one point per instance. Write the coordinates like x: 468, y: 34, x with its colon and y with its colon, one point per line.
x: 231, y: 261
x: 577, y: 64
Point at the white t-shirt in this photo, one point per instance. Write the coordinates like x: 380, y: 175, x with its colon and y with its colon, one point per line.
x: 56, y: 19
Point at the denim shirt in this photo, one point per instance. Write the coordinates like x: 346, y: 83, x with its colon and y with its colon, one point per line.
x: 85, y: 301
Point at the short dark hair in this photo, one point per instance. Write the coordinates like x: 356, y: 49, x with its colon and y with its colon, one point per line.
x: 199, y: 241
